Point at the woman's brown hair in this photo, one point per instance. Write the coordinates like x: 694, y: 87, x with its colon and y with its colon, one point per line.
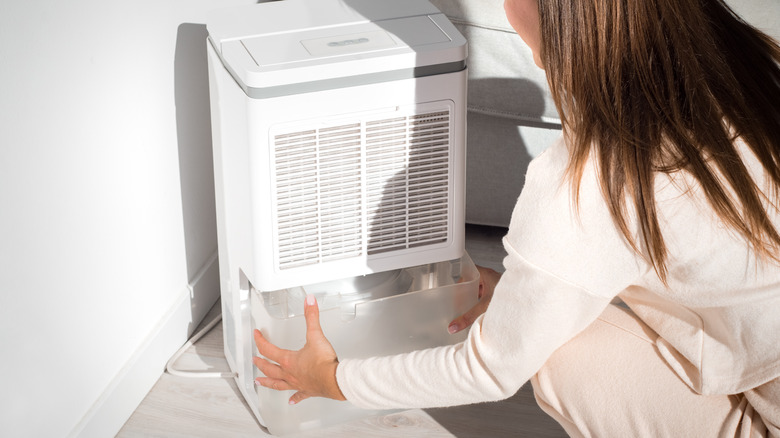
x: 652, y: 86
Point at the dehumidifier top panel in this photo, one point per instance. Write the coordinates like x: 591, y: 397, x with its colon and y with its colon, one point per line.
x: 279, y: 17
x: 398, y: 35
x: 284, y: 47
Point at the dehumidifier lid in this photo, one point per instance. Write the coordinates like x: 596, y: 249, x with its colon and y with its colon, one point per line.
x: 296, y: 46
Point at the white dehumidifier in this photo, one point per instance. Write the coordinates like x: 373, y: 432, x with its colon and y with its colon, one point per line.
x: 339, y: 154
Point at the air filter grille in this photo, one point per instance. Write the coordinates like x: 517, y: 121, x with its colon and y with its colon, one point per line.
x: 408, y: 181
x: 367, y: 186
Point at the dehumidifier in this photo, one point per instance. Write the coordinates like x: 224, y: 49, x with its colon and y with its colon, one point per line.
x: 339, y: 153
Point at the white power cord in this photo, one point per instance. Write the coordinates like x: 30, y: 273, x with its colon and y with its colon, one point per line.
x: 200, y: 374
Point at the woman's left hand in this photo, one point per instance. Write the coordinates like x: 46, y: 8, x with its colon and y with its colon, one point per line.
x: 488, y: 279
x: 310, y: 371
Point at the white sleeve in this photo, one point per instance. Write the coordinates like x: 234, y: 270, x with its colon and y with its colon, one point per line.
x: 532, y: 313
x: 576, y: 266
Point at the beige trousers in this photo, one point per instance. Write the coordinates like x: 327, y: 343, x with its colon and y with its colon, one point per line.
x: 610, y: 381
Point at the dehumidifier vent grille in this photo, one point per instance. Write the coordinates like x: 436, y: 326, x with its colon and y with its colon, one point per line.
x: 408, y: 181
x: 389, y: 176
x: 319, y: 195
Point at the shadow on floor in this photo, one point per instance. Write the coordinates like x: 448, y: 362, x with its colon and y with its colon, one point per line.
x: 517, y: 416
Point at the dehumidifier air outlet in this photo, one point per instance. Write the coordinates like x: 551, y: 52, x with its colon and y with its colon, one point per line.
x: 401, y: 162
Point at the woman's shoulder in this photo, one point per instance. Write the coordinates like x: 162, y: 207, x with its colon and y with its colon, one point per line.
x: 555, y: 159
x: 570, y: 235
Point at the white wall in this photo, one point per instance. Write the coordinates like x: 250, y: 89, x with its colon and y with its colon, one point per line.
x: 106, y: 205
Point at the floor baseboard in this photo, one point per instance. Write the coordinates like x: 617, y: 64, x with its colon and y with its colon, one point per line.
x: 128, y: 389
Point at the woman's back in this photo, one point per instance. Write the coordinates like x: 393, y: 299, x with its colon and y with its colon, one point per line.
x: 718, y: 315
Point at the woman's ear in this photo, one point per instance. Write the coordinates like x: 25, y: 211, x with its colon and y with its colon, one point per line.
x: 523, y: 15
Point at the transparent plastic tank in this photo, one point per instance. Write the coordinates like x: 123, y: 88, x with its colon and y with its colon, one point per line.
x: 374, y: 315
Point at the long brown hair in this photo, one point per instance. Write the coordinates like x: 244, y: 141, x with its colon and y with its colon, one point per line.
x: 652, y: 86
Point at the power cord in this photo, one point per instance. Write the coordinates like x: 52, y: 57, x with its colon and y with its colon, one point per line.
x: 198, y: 374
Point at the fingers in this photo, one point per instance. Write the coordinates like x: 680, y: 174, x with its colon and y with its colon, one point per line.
x: 311, y: 312
x: 456, y: 325
x: 266, y: 348
x: 275, y: 384
x: 488, y: 279
x: 483, y: 283
x: 275, y: 377
x: 467, y: 318
x: 298, y: 397
x: 271, y: 370
x: 281, y: 385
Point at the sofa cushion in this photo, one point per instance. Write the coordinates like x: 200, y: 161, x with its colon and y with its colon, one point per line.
x: 503, y: 79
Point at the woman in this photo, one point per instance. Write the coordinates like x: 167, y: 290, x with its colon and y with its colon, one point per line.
x: 663, y: 191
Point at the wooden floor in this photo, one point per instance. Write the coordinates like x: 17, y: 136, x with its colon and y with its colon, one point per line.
x: 197, y: 407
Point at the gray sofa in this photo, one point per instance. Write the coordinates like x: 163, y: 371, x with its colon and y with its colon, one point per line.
x: 511, y: 116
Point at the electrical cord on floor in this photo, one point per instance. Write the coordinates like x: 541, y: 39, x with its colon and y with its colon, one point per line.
x: 200, y: 374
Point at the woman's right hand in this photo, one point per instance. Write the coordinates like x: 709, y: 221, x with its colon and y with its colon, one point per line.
x: 488, y: 278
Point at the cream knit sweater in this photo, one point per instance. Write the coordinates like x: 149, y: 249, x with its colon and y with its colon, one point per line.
x: 718, y: 321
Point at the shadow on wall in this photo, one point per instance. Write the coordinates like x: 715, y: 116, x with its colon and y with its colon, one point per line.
x: 196, y: 173
x: 196, y: 168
